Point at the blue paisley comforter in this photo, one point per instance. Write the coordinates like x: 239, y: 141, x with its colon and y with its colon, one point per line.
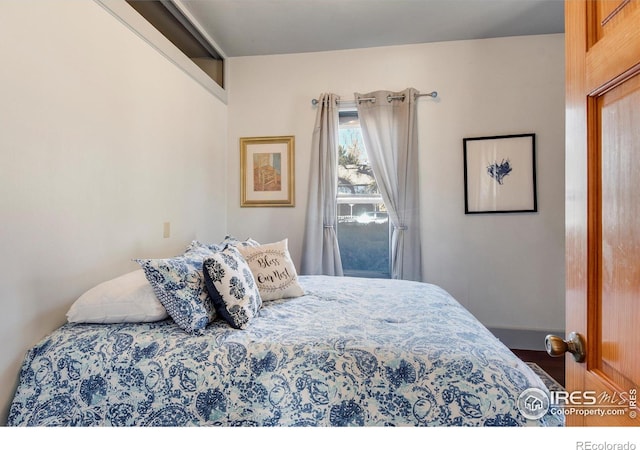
x: 351, y: 352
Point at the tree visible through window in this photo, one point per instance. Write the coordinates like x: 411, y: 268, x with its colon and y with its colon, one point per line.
x: 363, y: 222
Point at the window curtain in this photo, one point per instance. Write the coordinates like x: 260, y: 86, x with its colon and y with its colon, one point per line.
x: 390, y: 134
x: 320, y: 252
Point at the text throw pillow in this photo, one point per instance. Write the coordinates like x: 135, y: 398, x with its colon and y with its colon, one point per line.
x: 273, y: 270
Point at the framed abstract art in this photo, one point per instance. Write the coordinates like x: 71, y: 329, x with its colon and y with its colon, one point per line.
x: 267, y: 171
x: 500, y: 174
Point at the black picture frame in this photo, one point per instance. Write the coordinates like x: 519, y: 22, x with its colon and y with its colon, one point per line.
x: 500, y: 174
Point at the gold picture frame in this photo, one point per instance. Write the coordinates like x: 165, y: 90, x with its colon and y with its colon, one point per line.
x: 267, y: 171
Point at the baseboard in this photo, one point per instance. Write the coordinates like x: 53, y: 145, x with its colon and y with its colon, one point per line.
x: 523, y: 339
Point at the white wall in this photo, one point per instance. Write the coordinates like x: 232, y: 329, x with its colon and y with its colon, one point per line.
x: 102, y: 140
x: 506, y: 269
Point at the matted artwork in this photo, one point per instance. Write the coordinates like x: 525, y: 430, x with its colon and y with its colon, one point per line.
x: 500, y: 174
x: 267, y: 171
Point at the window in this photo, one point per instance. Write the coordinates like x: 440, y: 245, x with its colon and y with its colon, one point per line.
x: 363, y: 222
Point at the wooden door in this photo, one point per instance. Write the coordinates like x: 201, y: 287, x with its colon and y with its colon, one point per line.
x: 603, y: 203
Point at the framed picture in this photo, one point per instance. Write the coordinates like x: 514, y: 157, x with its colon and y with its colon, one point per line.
x: 267, y: 171
x: 500, y: 174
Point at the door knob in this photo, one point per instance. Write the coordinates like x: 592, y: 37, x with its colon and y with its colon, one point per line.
x: 556, y: 346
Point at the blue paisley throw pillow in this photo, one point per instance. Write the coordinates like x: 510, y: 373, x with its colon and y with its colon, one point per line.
x: 208, y: 248
x: 199, y: 247
x: 231, y: 240
x: 232, y: 287
x: 179, y: 285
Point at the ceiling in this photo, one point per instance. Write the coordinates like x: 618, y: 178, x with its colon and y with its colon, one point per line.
x: 267, y: 27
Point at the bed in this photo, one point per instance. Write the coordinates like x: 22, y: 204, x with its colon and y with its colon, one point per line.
x: 347, y: 352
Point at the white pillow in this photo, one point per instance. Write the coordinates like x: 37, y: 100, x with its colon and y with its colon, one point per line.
x: 273, y: 270
x: 127, y: 298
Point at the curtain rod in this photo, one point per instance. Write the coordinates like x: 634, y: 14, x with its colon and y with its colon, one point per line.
x: 433, y: 94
